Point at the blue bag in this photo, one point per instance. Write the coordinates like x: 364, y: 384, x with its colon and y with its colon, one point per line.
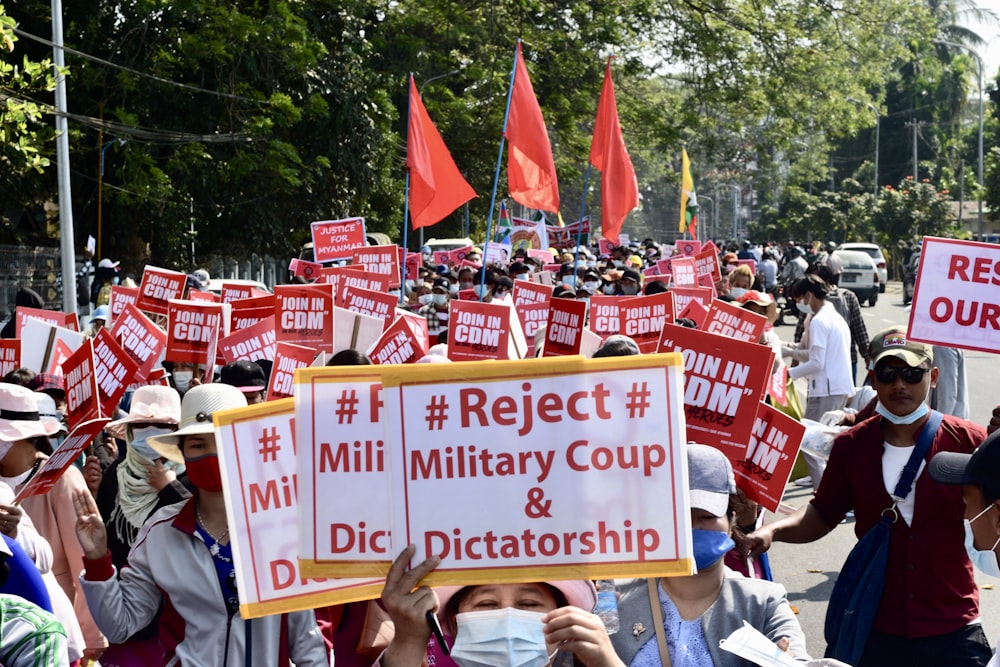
x: 858, y: 591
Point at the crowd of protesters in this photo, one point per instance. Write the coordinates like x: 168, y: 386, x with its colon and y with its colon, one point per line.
x: 128, y: 561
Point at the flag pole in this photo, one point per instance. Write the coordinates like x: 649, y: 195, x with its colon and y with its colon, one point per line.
x: 579, y: 232
x: 496, y: 176
x: 406, y: 199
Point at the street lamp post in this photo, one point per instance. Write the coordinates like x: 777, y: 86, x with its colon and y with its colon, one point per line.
x: 422, y: 86
x: 979, y: 174
x: 708, y: 228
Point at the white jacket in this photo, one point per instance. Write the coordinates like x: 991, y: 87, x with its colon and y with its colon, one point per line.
x: 170, y: 565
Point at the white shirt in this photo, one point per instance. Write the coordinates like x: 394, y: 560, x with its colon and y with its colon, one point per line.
x: 893, y: 461
x: 829, y: 365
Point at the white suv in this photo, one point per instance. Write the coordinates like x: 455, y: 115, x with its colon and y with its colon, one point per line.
x: 875, y: 252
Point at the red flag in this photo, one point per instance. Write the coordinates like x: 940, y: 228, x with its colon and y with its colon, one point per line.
x: 531, y: 172
x: 436, y: 186
x: 619, y: 189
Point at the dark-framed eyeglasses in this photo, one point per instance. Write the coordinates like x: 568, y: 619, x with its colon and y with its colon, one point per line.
x: 910, y: 375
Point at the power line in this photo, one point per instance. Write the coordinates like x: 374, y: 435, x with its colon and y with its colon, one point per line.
x: 108, y: 63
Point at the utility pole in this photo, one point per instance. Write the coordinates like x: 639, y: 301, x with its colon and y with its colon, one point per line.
x: 66, y: 236
x: 914, y: 124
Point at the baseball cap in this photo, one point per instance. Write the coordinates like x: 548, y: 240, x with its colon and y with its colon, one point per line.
x: 710, y: 479
x: 442, y: 283
x: 107, y: 264
x: 980, y: 468
x: 246, y: 376
x: 631, y: 274
x: 894, y: 342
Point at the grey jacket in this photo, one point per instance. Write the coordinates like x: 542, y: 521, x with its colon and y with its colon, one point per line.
x: 762, y: 604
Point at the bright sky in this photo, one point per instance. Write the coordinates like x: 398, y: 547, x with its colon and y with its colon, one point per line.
x: 991, y: 55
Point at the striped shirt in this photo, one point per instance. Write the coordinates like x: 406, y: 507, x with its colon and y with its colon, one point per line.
x: 30, y: 636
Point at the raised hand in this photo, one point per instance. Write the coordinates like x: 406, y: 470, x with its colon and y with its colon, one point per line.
x: 90, y: 530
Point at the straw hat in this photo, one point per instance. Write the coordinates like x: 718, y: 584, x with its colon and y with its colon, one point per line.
x: 153, y: 403
x: 196, y: 416
x: 19, y: 418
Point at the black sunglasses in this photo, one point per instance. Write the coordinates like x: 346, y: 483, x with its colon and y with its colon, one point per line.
x: 888, y: 374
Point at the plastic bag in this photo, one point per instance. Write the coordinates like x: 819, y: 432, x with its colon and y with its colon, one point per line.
x: 818, y: 438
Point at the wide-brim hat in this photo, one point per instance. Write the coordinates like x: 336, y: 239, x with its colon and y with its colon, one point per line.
x: 578, y: 593
x: 152, y: 403
x: 19, y: 418
x: 48, y: 412
x: 197, y: 408
x: 761, y: 299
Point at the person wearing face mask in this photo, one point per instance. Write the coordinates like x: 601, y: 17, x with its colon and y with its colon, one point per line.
x: 184, y: 376
x: 182, y: 562
x: 740, y: 281
x: 928, y: 613
x: 694, y: 612
x: 22, y: 433
x: 629, y: 283
x: 979, y: 476
x: 436, y: 311
x: 519, y: 271
x: 133, y: 488
x: 498, y: 625
x: 827, y: 363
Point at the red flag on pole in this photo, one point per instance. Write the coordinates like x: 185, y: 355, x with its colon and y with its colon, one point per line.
x: 531, y: 172
x: 436, y: 186
x: 619, y: 189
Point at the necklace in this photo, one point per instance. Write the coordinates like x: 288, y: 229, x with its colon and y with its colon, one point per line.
x: 214, y: 549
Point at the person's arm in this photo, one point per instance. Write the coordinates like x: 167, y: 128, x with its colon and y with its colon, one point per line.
x: 818, y: 334
x: 856, y: 323
x: 806, y: 525
x: 782, y: 624
x: 306, y: 645
x: 408, y: 609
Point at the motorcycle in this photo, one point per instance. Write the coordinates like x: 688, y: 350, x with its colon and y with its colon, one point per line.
x: 786, y: 305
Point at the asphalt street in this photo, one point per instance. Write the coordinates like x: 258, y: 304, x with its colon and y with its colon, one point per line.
x: 808, y: 571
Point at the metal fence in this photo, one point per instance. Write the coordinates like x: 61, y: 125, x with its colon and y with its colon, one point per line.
x: 262, y: 268
x: 35, y: 268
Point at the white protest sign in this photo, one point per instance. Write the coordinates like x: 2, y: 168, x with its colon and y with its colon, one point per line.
x: 343, y: 473
x: 955, y: 296
x: 257, y: 459
x: 528, y: 470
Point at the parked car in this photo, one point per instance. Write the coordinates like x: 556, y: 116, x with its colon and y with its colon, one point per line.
x: 910, y: 276
x: 437, y: 245
x: 875, y: 252
x: 860, y: 275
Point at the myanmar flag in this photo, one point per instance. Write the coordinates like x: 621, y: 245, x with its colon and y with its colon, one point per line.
x: 689, y: 200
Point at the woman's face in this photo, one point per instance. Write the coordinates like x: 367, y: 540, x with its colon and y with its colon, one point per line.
x: 199, y: 444
x: 739, y: 280
x: 526, y: 597
x: 705, y: 520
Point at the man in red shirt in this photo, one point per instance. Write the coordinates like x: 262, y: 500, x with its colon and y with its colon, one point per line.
x: 929, y: 610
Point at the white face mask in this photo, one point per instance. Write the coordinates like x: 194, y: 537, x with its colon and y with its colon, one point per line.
x: 985, y: 560
x: 630, y: 290
x: 424, y: 299
x: 439, y: 299
x: 592, y: 285
x: 141, y: 435
x: 182, y: 380
x: 521, y: 276
x: 505, y: 637
x: 569, y: 280
x: 804, y: 308
x: 737, y: 292
x: 609, y: 289
x: 453, y: 289
x: 914, y: 416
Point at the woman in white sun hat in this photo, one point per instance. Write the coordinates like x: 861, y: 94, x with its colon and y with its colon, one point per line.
x: 23, y: 437
x: 182, y: 560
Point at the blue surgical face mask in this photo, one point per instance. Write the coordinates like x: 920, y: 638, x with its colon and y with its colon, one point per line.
x: 803, y: 308
x: 139, y: 443
x: 480, y: 290
x: 914, y: 416
x: 737, y: 292
x: 439, y: 299
x: 710, y: 546
x: 569, y: 280
x: 505, y: 637
x: 985, y: 560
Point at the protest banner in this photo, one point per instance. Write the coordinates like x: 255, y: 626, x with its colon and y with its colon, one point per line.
x: 157, y: 288
x: 334, y: 240
x: 543, y: 255
x: 604, y: 246
x: 248, y: 312
x: 342, y: 449
x: 695, y: 312
x: 60, y: 353
x: 250, y: 344
x: 752, y: 263
x: 287, y: 359
x: 305, y: 269
x: 651, y: 271
x: 605, y: 315
x: 344, y: 278
x: 43, y: 343
x: 354, y: 331
x: 10, y: 355
x: 531, y: 302
x: 52, y: 468
x: 581, y: 503
x: 374, y: 304
x: 497, y: 254
x: 114, y: 370
x: 732, y: 321
x: 706, y: 263
x: 206, y: 297
x: 688, y: 248
x: 82, y: 400
x: 303, y: 315
x: 526, y: 293
x: 418, y: 325
x: 121, y: 297
x: 684, y: 295
x: 641, y: 318
x: 684, y: 272
x: 441, y: 258
x: 665, y: 266
x: 399, y: 344
x: 236, y: 292
x: 53, y: 317
x: 724, y: 380
x: 382, y: 260
x: 478, y: 331
x: 763, y: 469
x: 565, y: 237
x: 257, y: 459
x: 193, y: 331
x: 564, y: 327
x: 414, y: 260
x: 955, y: 295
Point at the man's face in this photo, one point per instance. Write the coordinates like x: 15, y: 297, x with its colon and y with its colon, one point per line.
x: 896, y: 394
x: 985, y: 524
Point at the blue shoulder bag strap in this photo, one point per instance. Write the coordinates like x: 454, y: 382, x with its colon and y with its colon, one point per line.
x: 912, y: 466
